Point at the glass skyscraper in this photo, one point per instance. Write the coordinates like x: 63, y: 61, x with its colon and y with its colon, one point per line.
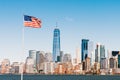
x: 102, y: 51
x: 99, y: 52
x: 56, y: 44
x: 118, y: 60
x: 84, y: 49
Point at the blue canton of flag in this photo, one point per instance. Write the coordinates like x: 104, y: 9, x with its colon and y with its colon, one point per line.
x: 30, y: 21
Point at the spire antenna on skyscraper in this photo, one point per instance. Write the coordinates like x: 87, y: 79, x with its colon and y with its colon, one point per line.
x: 56, y: 24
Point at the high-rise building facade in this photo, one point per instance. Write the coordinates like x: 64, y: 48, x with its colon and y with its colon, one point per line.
x: 41, y: 60
x: 37, y: 57
x: 67, y: 58
x: 29, y: 65
x: 91, y: 54
x: 87, y: 64
x: 119, y: 60
x: 103, y: 63
x: 99, y: 52
x: 15, y: 67
x: 5, y: 66
x: 32, y: 54
x: 61, y: 56
x: 48, y: 57
x: 113, y: 63
x: 90, y: 48
x: 102, y: 51
x: 78, y: 56
x: 84, y: 49
x: 56, y: 44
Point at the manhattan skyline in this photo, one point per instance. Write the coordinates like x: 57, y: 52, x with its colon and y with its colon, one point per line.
x: 96, y: 20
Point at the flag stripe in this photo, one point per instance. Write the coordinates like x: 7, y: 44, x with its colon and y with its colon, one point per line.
x: 30, y: 21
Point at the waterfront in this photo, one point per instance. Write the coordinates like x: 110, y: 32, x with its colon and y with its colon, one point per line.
x: 61, y: 77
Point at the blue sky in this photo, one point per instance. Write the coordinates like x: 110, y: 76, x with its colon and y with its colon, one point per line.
x: 97, y: 20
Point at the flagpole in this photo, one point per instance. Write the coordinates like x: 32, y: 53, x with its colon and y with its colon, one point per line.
x: 23, y: 47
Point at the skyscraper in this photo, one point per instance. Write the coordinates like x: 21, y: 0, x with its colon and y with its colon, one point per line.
x: 37, y: 57
x: 32, y: 54
x: 61, y: 56
x: 90, y: 48
x: 56, y: 44
x: 103, y: 63
x: 84, y: 49
x: 48, y: 57
x: 119, y: 60
x: 91, y: 52
x: 102, y: 51
x: 5, y: 66
x: 29, y: 65
x: 67, y: 58
x: 99, y: 52
x: 78, y: 56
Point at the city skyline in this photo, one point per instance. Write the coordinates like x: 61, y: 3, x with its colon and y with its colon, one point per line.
x: 97, y: 21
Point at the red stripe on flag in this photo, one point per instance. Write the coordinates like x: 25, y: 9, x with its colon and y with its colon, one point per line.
x: 35, y: 23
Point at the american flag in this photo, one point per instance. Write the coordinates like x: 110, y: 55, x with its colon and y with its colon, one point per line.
x: 30, y: 21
